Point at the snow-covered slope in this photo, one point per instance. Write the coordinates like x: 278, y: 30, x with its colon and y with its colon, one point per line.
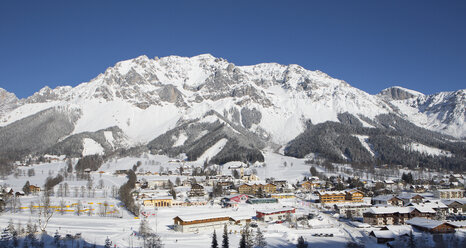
x: 444, y: 112
x: 145, y: 98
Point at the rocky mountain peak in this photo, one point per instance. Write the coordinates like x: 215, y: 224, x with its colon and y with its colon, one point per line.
x: 399, y: 93
x: 7, y: 97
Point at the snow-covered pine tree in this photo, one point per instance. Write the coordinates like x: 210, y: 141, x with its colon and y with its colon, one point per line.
x: 214, y: 240
x: 14, y: 239
x: 143, y: 228
x: 32, y: 240
x: 242, y: 241
x: 225, y: 243
x: 11, y: 226
x: 56, y: 238
x: 260, y: 239
x: 5, y: 238
x: 108, y: 243
x: 153, y: 241
x: 249, y: 237
x: 301, y: 243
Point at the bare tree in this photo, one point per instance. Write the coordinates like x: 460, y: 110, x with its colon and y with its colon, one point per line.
x: 45, y: 212
x: 12, y: 203
x: 66, y: 190
x: 90, y: 210
x: 31, y: 207
x: 18, y: 203
x: 62, y: 206
x: 106, y: 207
x: 114, y: 191
x: 89, y: 186
x: 76, y: 191
x: 83, y: 191
x: 60, y: 190
x: 79, y: 208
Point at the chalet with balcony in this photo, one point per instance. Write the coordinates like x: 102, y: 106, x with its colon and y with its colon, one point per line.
x: 197, y: 190
x: 252, y: 189
x: 393, y: 215
x: 433, y: 226
x: 387, y: 200
x: 449, y: 193
x: 350, y: 195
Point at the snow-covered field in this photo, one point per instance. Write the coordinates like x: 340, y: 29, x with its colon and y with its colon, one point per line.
x: 427, y: 150
x: 120, y: 225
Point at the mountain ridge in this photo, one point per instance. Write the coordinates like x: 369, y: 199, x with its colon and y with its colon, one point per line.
x: 145, y: 98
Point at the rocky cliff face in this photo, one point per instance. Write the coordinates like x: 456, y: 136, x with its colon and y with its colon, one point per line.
x: 145, y: 99
x: 399, y: 93
x: 8, y: 101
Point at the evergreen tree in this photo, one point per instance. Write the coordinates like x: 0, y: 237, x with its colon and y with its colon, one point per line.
x: 33, y: 240
x: 108, y: 243
x: 172, y: 192
x: 301, y: 243
x: 214, y: 240
x: 56, y: 238
x: 143, y: 228
x: 11, y: 226
x: 153, y: 241
x: 5, y: 238
x: 260, y: 239
x: 69, y: 165
x: 411, y: 241
x: 225, y: 243
x: 14, y: 238
x: 236, y: 174
x: 242, y: 241
x: 26, y: 188
x: 248, y: 237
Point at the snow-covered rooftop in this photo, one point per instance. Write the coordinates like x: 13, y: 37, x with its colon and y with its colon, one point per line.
x: 275, y: 210
x: 384, y: 234
x: 425, y: 223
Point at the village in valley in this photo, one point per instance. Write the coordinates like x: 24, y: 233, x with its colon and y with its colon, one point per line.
x: 282, y: 202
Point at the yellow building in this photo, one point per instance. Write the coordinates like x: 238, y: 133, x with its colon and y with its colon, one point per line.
x: 309, y: 185
x: 246, y: 189
x: 351, y: 195
x: 354, y: 195
x: 332, y: 196
x: 270, y: 188
x: 163, y: 201
x: 251, y: 177
x: 282, y: 196
x: 251, y: 189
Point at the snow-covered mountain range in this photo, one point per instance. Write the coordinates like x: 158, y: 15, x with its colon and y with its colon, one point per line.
x: 142, y: 99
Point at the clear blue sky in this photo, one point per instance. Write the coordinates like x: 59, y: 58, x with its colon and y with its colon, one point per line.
x: 370, y: 44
